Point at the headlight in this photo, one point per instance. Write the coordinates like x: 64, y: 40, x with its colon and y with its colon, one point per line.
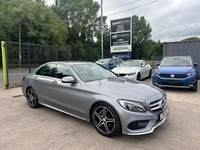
x: 131, y: 74
x: 157, y: 73
x: 132, y: 106
x: 191, y: 74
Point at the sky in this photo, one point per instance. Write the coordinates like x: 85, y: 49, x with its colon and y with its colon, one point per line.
x: 170, y: 20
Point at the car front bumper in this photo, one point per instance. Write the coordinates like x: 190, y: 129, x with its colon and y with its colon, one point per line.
x: 141, y: 123
x: 187, y: 82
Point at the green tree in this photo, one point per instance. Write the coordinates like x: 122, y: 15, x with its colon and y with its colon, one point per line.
x: 81, y: 15
x: 153, y: 50
x: 37, y: 22
x: 84, y: 24
x: 192, y: 39
x: 141, y: 33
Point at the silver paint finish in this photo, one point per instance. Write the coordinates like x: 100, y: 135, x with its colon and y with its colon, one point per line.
x: 77, y: 99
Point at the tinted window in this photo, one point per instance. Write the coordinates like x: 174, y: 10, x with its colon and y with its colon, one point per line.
x: 46, y: 70
x: 62, y: 71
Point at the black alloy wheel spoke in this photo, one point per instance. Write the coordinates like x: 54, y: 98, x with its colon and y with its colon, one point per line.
x: 105, y: 121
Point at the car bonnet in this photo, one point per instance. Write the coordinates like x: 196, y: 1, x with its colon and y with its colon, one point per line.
x: 119, y: 88
x: 174, y: 69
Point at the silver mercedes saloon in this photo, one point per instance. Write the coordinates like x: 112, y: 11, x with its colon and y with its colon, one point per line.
x: 93, y: 93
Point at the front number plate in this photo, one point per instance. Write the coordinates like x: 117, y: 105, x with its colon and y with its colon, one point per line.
x: 164, y: 114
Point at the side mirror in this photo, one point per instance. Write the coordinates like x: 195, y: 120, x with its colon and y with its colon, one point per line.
x: 68, y: 79
x: 195, y: 64
x: 143, y: 65
x: 158, y: 64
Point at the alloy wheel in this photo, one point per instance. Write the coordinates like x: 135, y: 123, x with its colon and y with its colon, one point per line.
x: 104, y: 120
x: 32, y: 98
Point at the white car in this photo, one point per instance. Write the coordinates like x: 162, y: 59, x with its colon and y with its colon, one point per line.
x: 134, y: 69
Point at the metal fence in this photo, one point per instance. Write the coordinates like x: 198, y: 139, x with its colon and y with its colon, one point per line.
x: 22, y: 58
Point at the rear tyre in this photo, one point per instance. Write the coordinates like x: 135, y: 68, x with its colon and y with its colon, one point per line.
x: 32, y: 99
x: 138, y: 77
x: 106, y: 120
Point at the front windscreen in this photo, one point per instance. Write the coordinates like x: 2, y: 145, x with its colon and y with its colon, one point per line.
x: 176, y: 61
x: 91, y: 72
x: 130, y: 64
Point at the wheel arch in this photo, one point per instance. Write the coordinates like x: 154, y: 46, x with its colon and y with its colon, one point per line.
x: 99, y: 102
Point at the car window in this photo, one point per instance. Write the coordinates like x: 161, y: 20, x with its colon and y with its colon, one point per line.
x: 143, y: 62
x: 132, y: 64
x: 118, y: 61
x: 176, y: 61
x: 103, y: 61
x: 91, y: 72
x: 112, y: 61
x: 46, y: 70
x: 62, y: 71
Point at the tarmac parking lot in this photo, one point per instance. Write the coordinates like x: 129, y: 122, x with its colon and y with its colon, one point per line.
x: 23, y: 128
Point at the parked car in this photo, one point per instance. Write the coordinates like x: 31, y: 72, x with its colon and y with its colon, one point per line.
x: 92, y: 93
x: 109, y: 63
x: 176, y: 71
x: 134, y: 69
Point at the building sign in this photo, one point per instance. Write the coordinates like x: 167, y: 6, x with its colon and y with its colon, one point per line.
x: 119, y: 39
x: 120, y: 35
x: 120, y: 25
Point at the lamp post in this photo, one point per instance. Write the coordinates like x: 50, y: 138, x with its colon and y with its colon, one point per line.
x: 102, y: 29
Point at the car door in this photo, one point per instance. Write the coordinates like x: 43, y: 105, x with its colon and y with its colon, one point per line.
x: 64, y: 96
x: 144, y: 69
x: 41, y: 82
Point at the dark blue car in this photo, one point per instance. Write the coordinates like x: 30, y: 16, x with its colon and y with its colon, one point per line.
x: 176, y: 71
x: 109, y: 63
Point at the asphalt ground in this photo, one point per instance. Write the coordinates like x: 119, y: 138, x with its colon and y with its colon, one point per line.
x: 23, y: 128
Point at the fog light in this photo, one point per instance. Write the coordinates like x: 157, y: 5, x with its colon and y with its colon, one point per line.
x: 193, y: 80
x: 138, y: 124
x: 155, y: 78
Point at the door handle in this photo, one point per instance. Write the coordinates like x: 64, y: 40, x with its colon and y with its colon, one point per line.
x: 54, y: 82
x: 35, y: 79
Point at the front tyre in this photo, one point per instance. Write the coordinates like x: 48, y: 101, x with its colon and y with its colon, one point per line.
x: 194, y: 88
x: 106, y: 120
x: 31, y: 97
x: 138, y: 76
x: 150, y: 72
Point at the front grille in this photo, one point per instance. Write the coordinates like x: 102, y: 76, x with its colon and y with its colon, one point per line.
x: 175, y: 75
x: 122, y: 74
x: 173, y: 82
x: 158, y: 105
